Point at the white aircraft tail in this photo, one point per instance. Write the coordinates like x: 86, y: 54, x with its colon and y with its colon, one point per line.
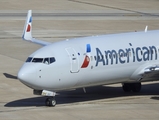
x: 27, y: 32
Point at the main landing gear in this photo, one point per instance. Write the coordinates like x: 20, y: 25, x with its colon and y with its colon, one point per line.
x: 128, y: 87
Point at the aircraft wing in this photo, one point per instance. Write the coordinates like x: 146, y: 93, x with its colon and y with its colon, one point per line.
x: 152, y: 69
x: 150, y: 72
x: 27, y: 32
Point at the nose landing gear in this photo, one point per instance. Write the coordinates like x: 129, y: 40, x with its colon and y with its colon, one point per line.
x: 50, y: 101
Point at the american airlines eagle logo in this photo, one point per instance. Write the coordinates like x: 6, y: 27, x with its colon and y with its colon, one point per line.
x: 29, y: 25
x: 87, y: 56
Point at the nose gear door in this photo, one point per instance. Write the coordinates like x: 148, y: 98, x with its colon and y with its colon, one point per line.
x: 73, y: 60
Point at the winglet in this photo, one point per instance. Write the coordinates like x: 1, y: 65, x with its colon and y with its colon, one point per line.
x: 27, y: 32
x: 146, y: 28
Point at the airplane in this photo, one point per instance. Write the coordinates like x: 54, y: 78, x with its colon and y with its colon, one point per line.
x: 126, y: 58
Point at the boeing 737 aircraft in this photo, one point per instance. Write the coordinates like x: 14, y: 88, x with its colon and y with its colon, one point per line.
x: 126, y: 58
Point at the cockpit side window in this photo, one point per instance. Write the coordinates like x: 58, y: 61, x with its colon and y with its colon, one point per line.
x: 37, y: 60
x: 29, y: 59
x: 52, y: 59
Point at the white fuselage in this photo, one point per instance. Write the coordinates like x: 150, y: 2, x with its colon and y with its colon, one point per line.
x: 109, y: 59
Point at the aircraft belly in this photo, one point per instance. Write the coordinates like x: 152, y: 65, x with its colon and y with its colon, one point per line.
x: 98, y: 77
x: 110, y: 74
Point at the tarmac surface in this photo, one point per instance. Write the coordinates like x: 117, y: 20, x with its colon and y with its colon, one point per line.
x: 55, y: 20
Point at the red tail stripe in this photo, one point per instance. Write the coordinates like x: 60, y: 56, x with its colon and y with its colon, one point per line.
x: 28, y: 28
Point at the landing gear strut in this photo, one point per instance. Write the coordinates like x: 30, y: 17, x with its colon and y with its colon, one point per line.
x: 50, y: 101
x: 135, y: 87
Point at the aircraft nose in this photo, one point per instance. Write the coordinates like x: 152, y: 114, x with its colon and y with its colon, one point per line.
x: 27, y: 74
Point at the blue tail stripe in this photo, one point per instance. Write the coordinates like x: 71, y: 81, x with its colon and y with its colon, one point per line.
x: 30, y: 20
x: 88, y: 48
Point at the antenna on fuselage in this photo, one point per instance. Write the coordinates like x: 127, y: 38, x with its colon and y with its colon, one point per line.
x: 84, y: 90
x: 146, y: 28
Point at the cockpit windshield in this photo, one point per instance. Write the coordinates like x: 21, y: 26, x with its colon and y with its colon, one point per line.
x: 47, y: 61
x: 37, y: 60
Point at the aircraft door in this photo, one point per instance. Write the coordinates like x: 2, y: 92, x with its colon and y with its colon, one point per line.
x: 74, y: 60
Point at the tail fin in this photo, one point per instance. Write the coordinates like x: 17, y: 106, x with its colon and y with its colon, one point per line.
x: 27, y: 32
